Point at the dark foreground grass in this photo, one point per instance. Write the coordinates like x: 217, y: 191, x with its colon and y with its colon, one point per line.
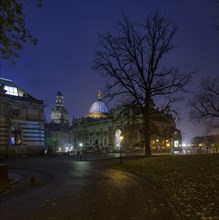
x: 191, y: 181
x: 4, y: 187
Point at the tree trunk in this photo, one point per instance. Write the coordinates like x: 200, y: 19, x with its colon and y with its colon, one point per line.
x: 147, y: 132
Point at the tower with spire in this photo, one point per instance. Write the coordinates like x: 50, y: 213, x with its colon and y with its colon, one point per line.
x: 59, y: 114
x: 59, y: 126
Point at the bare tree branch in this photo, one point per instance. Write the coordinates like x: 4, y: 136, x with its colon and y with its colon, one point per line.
x: 132, y: 61
x: 205, y: 104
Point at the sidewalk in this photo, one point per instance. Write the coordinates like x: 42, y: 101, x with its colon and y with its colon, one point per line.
x: 22, y: 181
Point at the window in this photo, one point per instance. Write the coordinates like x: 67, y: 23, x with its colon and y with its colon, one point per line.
x: 15, y: 136
x: 11, y: 90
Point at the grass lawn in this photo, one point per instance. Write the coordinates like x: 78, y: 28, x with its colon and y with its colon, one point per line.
x: 4, y: 187
x: 191, y: 181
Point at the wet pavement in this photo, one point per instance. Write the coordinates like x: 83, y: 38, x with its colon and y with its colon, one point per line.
x: 66, y: 188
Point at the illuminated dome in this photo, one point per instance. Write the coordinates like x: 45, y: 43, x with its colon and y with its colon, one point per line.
x: 99, y: 109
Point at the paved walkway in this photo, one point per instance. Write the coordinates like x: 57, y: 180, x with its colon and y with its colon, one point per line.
x: 82, y: 190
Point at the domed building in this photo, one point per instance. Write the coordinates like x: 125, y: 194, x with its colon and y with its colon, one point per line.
x: 103, y: 129
x: 92, y: 132
x: 59, y: 126
x: 99, y: 109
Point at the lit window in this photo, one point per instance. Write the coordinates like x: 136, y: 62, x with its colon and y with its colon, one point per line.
x: 11, y: 90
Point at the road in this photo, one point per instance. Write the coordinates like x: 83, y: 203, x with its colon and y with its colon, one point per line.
x: 66, y: 188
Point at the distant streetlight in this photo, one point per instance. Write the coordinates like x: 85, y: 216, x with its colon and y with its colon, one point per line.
x: 120, y: 152
x: 80, y: 151
x: 200, y: 148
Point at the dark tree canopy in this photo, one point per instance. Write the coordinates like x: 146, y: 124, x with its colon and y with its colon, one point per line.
x: 13, y: 30
x: 205, y: 103
x: 133, y: 61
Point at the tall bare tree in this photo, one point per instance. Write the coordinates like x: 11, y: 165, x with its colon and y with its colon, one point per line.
x: 13, y: 30
x: 205, y: 104
x: 133, y: 62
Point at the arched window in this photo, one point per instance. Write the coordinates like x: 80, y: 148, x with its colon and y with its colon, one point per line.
x: 15, y: 136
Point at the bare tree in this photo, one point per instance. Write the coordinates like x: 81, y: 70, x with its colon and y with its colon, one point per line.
x: 133, y: 63
x: 205, y: 104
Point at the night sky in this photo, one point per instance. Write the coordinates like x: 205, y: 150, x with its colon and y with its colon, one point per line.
x: 67, y: 31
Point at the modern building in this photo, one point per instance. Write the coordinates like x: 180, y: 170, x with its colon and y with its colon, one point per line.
x: 21, y: 121
x: 59, y: 127
x: 105, y: 129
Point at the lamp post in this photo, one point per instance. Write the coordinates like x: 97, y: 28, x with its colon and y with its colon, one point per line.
x: 120, y: 152
x: 200, y: 148
x: 80, y: 152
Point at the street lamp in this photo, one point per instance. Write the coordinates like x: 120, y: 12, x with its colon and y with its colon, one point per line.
x: 120, y: 152
x: 200, y: 148
x: 80, y: 152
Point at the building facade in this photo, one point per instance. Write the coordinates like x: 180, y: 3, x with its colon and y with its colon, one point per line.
x: 21, y: 121
x: 208, y: 143
x: 59, y: 127
x: 106, y: 130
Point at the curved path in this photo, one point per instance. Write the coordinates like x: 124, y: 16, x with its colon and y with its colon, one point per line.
x: 84, y: 190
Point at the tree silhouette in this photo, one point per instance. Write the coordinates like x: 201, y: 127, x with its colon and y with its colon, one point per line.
x: 13, y: 30
x: 133, y: 62
x: 205, y: 103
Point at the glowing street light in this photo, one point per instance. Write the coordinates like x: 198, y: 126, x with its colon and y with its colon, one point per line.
x: 80, y: 151
x: 200, y: 148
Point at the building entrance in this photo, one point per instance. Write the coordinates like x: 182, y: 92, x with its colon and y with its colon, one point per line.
x: 15, y: 136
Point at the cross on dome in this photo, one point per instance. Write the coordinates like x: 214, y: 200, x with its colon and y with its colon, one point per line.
x: 99, y: 94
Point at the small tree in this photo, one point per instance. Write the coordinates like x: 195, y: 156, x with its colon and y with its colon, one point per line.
x: 51, y: 144
x: 133, y: 62
x: 205, y: 104
x: 13, y: 30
